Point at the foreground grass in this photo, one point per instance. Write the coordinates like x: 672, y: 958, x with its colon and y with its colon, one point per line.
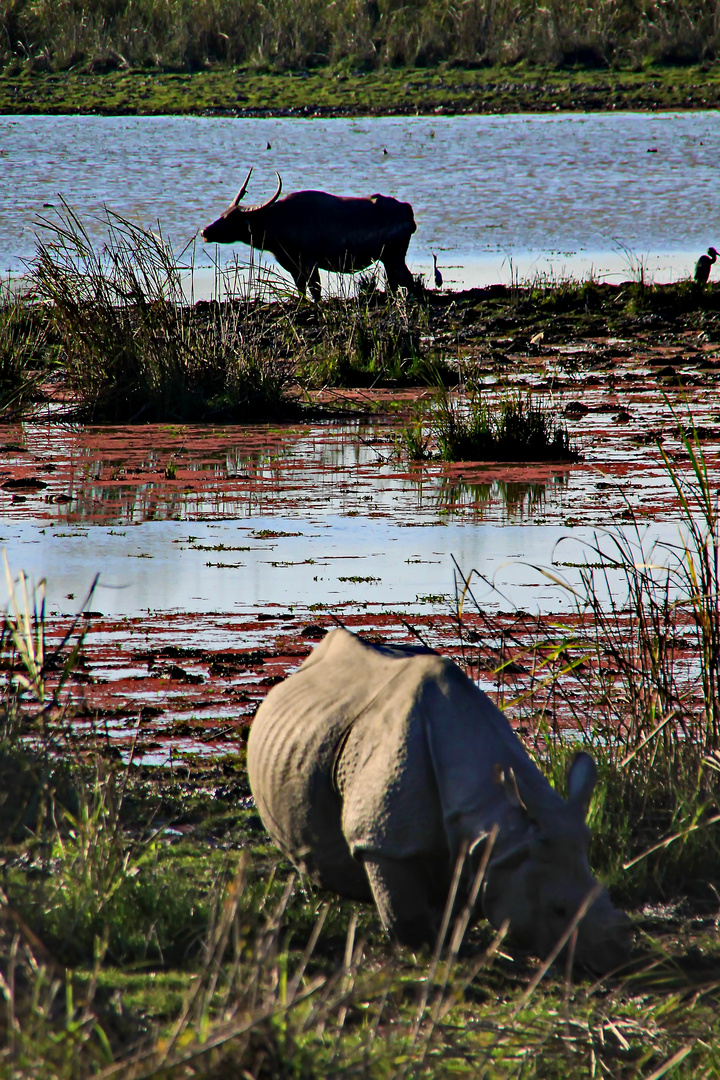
x: 337, y: 91
x: 246, y: 969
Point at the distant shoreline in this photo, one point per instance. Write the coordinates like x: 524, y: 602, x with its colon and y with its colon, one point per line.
x: 335, y: 92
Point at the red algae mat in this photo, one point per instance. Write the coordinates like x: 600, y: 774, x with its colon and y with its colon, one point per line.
x: 225, y: 553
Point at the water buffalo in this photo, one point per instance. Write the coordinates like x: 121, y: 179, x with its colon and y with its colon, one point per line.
x: 372, y: 767
x: 311, y: 230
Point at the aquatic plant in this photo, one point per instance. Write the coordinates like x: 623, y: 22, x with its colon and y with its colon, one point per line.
x: 511, y: 428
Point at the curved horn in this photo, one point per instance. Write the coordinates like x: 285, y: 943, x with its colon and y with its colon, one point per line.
x: 275, y: 197
x: 242, y: 190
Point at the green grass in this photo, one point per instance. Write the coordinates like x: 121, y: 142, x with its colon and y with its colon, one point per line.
x: 23, y: 354
x: 132, y: 347
x: 369, y: 340
x: 337, y: 91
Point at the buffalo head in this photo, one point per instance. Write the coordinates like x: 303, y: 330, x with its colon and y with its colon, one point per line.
x: 238, y: 224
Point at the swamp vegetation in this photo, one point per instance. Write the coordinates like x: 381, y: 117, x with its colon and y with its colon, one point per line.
x: 147, y: 926
x: 189, y: 35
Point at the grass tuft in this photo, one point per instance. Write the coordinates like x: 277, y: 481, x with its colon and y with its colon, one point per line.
x: 132, y: 348
x: 513, y: 428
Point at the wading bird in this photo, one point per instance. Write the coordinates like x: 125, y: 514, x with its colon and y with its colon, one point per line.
x: 702, y: 266
x: 438, y: 275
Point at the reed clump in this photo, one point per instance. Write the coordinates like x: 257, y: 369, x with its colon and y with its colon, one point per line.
x: 132, y: 347
x: 510, y: 428
x: 104, y: 36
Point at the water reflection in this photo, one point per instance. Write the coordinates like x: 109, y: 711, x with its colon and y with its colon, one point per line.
x: 520, y: 499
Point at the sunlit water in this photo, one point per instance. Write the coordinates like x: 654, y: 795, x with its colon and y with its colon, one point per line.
x: 494, y: 196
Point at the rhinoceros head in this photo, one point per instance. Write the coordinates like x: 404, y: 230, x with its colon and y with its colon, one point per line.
x: 538, y: 877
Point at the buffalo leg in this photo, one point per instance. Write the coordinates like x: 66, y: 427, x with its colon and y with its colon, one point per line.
x: 315, y: 287
x: 398, y: 274
x: 400, y: 891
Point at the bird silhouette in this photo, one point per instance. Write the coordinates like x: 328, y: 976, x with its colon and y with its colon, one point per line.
x: 438, y: 275
x: 702, y: 266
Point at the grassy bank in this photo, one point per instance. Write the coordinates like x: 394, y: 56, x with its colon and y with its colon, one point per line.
x: 341, y: 91
x: 105, y: 333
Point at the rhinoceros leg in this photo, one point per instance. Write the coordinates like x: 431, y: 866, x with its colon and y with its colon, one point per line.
x: 401, y: 895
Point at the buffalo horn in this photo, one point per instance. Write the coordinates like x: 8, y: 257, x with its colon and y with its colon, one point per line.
x: 275, y: 197
x: 243, y: 189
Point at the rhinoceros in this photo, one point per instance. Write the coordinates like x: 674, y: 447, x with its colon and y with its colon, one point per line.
x: 374, y: 766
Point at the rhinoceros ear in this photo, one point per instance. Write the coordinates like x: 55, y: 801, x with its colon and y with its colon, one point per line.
x: 581, y: 781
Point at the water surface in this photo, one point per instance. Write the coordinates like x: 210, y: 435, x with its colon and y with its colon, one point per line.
x: 494, y: 196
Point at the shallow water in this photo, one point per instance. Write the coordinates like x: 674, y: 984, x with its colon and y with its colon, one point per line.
x: 301, y: 515
x: 494, y: 196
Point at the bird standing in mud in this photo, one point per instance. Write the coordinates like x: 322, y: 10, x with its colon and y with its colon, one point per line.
x: 702, y: 266
x: 438, y: 275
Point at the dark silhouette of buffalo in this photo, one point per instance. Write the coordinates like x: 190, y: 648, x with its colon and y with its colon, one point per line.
x: 309, y: 231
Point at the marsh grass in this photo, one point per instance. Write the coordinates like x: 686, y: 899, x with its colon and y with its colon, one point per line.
x: 103, y: 36
x: 133, y: 348
x: 509, y: 428
x: 23, y: 353
x: 366, y: 339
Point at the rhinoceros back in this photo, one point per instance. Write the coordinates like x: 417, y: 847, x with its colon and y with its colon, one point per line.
x: 293, y: 748
x: 383, y: 750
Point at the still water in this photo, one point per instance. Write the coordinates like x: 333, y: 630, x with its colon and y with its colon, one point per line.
x: 494, y: 196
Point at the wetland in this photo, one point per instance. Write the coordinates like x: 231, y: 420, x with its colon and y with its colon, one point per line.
x: 237, y: 501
